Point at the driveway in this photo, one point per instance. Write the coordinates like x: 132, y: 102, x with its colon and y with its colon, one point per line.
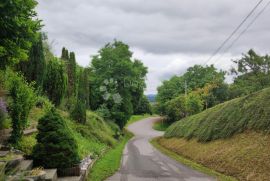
x: 142, y: 162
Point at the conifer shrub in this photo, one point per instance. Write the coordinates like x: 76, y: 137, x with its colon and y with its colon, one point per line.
x: 79, y: 112
x: 56, y: 147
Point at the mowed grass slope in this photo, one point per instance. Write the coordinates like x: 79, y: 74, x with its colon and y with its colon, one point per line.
x: 251, y: 112
x: 232, y: 138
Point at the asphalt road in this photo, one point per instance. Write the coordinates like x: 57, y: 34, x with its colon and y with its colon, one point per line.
x: 142, y: 162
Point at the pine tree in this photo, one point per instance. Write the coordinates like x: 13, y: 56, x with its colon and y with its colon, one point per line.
x: 55, y: 148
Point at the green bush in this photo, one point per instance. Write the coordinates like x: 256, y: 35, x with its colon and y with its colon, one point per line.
x: 79, y: 112
x: 22, y: 100
x: 55, y: 147
x: 183, y: 106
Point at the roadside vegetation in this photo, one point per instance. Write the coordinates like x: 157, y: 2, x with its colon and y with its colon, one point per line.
x: 110, y: 162
x: 50, y: 95
x: 161, y: 125
x: 164, y: 148
x: 224, y: 127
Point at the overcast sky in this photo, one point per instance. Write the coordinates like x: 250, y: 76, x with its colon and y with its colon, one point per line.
x: 168, y: 36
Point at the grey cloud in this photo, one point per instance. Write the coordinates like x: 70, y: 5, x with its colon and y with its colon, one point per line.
x: 162, y: 30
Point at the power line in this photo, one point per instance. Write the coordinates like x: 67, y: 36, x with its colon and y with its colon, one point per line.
x: 231, y: 35
x: 245, y: 30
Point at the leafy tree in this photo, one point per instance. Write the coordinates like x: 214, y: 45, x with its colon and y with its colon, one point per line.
x: 183, y: 106
x: 55, y: 81
x: 17, y: 31
x: 196, y: 77
x: 143, y: 106
x: 55, y: 148
x: 115, y: 79
x: 34, y: 68
x: 252, y: 74
x: 22, y: 100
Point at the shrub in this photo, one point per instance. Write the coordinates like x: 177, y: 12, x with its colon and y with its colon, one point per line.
x: 55, y: 147
x: 3, y: 111
x: 79, y: 112
x: 183, y: 106
x: 22, y: 100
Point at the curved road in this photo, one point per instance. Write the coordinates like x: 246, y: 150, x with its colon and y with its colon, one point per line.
x: 142, y: 162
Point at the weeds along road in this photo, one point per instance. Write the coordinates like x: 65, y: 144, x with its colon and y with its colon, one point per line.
x: 142, y: 162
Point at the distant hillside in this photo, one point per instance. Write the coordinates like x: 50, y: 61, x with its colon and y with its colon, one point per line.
x: 251, y: 112
x: 151, y: 97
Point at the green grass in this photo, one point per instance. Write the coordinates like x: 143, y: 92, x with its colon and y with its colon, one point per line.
x: 136, y: 118
x: 93, y: 136
x: 109, y: 163
x: 2, y: 171
x: 251, y: 112
x: 161, y: 125
x: 190, y: 163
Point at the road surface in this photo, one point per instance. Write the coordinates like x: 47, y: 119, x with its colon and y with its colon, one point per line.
x: 142, y: 162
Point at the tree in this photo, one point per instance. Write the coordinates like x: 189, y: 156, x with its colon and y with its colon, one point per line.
x: 143, y: 106
x: 252, y: 74
x: 17, y: 31
x: 115, y: 78
x: 55, y: 81
x: 22, y: 100
x: 183, y: 106
x: 196, y: 77
x: 55, y: 148
x: 70, y: 61
x: 34, y: 68
x: 79, y: 112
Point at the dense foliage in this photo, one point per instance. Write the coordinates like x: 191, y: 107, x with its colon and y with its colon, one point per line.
x: 55, y: 81
x: 55, y: 148
x: 197, y: 89
x: 22, y: 100
x: 117, y: 81
x: 34, y: 69
x: 252, y: 74
x: 17, y: 31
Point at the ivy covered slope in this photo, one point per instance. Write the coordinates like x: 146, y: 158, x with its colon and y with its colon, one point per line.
x: 250, y: 112
x: 232, y: 138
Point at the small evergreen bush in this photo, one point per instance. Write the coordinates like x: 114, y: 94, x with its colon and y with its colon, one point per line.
x: 55, y: 148
x: 79, y: 112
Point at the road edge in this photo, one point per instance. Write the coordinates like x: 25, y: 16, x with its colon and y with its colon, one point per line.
x: 190, y: 163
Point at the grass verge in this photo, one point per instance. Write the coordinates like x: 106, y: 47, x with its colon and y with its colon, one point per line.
x: 136, y: 118
x: 190, y: 163
x: 161, y: 125
x: 110, y: 162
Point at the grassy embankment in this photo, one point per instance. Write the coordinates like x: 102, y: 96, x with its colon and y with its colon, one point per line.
x: 110, y: 162
x: 92, y: 138
x: 231, y: 138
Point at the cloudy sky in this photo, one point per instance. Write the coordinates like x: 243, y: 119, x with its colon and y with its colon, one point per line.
x: 167, y: 35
